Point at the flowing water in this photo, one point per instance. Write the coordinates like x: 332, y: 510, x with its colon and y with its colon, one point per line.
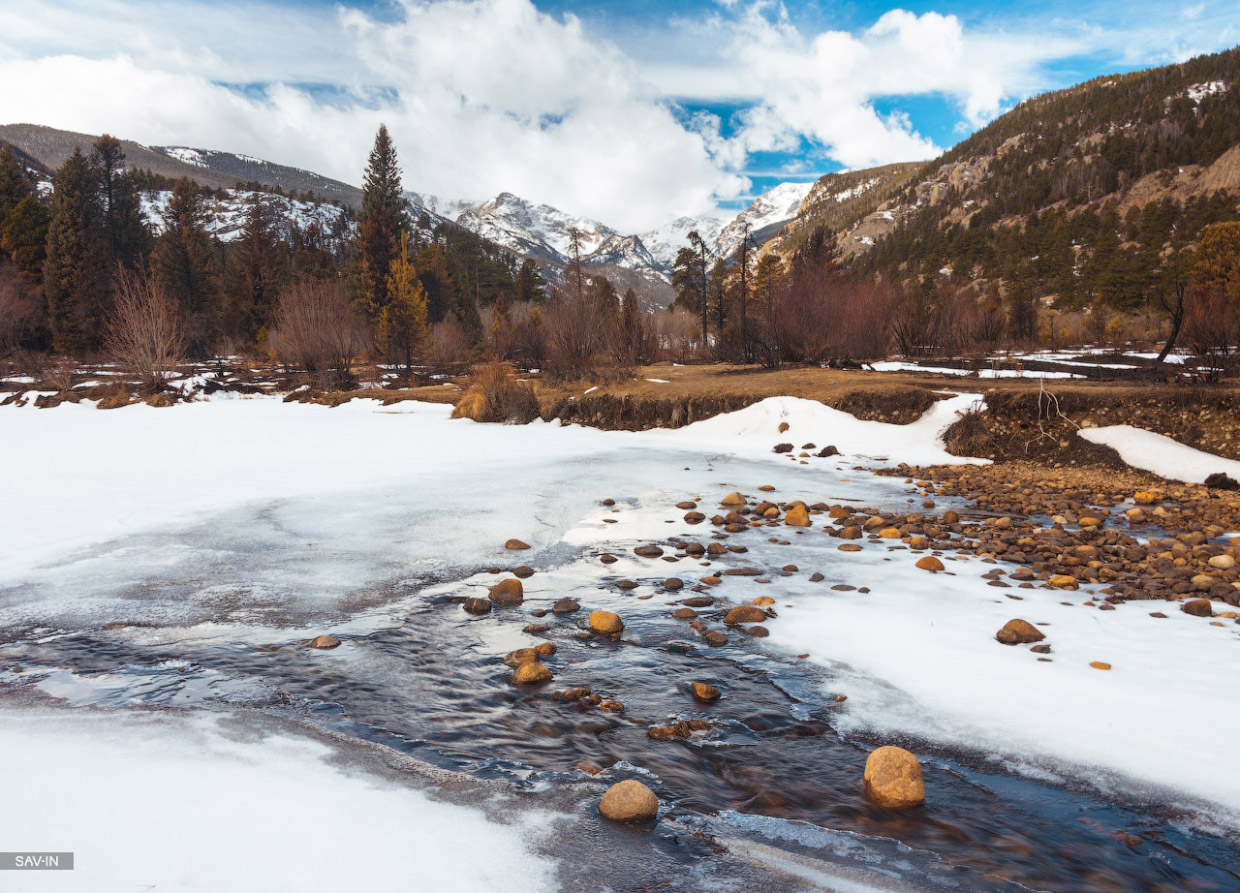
x: 198, y: 621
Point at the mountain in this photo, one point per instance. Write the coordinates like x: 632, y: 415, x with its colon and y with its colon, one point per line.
x: 1081, y: 195
x: 665, y: 241
x: 219, y: 170
x: 226, y: 214
x: 765, y: 216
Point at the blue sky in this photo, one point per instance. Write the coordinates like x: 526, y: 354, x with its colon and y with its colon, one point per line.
x: 629, y: 112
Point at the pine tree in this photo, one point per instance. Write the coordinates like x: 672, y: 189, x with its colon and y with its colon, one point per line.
x: 256, y: 274
x: 531, y: 286
x: 380, y: 224
x: 124, y: 228
x: 403, y: 325
x: 15, y: 184
x: 184, y: 262
x: 75, y: 268
x: 23, y: 238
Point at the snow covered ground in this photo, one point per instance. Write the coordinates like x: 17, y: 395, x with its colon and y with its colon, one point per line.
x: 104, y: 507
x: 1162, y: 455
x: 160, y: 802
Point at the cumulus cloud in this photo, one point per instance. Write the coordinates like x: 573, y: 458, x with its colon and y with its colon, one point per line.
x: 483, y: 96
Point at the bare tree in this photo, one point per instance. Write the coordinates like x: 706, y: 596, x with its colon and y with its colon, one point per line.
x: 146, y: 332
x: 318, y: 331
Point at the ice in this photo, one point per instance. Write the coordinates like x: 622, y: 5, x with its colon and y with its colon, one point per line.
x: 1162, y: 455
x: 174, y: 802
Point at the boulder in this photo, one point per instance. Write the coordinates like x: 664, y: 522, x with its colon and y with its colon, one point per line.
x: 1198, y: 607
x: 930, y: 563
x: 797, y: 516
x: 477, y: 605
x: 673, y: 584
x: 606, y: 622
x: 704, y: 692
x: 732, y: 498
x: 1019, y: 632
x: 629, y: 801
x: 324, y: 643
x: 893, y: 778
x: 508, y: 593
x: 745, y: 614
x: 516, y: 545
x: 530, y: 673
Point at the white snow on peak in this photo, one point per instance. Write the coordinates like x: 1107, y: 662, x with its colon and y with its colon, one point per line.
x: 665, y: 241
x: 774, y: 207
x: 185, y: 154
x: 448, y: 208
x: 225, y: 217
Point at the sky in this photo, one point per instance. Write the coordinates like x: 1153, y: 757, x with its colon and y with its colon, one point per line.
x: 632, y: 113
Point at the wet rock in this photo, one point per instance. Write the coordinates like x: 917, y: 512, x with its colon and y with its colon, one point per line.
x: 1019, y: 632
x: 1062, y: 581
x: 477, y: 605
x: 782, y: 448
x: 1221, y: 481
x: 650, y: 551
x: 686, y: 505
x: 714, y: 638
x: 324, y: 643
x: 745, y: 614
x: 589, y: 767
x: 694, y: 517
x: 520, y: 656
x: 508, y: 593
x: 742, y: 572
x: 704, y: 692
x: 523, y: 572
x: 712, y: 580
x: 609, y: 502
x: 1145, y: 497
x: 698, y: 601
x: 851, y: 532
x: 1222, y: 562
x: 673, y: 584
x: 763, y: 600
x: 797, y: 516
x: 1198, y: 607
x: 606, y: 623
x: 534, y: 629
x: 530, y: 673
x: 930, y: 563
x: 732, y: 498
x: 608, y: 558
x: 816, y: 577
x: 828, y: 451
x: 890, y: 533
x: 951, y: 517
x: 684, y: 613
x: 758, y: 632
x: 571, y: 694
x: 1041, y: 649
x: 545, y: 649
x: 565, y: 606
x: 629, y: 801
x: 626, y: 584
x: 893, y: 778
x: 611, y: 706
x: 516, y: 545
x: 849, y: 547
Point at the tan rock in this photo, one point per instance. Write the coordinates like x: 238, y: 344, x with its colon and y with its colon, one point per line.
x: 1222, y: 562
x: 797, y: 516
x: 732, y: 498
x: 745, y: 614
x: 918, y: 543
x: 508, y: 593
x: 629, y: 801
x: 1099, y: 665
x: 324, y: 643
x: 1144, y: 497
x: 530, y: 673
x: 893, y: 778
x: 1062, y: 581
x: 763, y: 600
x: 606, y: 622
x: 1019, y: 632
x: 890, y: 533
x: 930, y: 563
x: 516, y: 545
x: 704, y: 692
x: 545, y: 649
x: 477, y: 605
x: 520, y: 656
x: 524, y: 572
x: 1198, y: 607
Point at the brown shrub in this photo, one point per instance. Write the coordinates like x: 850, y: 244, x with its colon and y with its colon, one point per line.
x: 318, y: 331
x: 146, y: 332
x: 495, y: 395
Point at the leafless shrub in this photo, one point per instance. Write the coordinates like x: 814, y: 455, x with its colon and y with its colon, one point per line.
x: 146, y: 332
x: 316, y: 330
x: 495, y: 395
x: 19, y: 314
x: 1212, y: 329
x: 676, y: 333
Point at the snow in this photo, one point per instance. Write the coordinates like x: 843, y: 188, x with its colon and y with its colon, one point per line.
x: 773, y: 207
x: 1023, y: 373
x: 1198, y: 92
x: 665, y: 241
x: 226, y: 217
x: 154, y: 801
x: 1161, y: 455
x: 185, y: 155
x: 901, y: 366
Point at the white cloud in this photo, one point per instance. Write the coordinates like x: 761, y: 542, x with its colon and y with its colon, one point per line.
x: 489, y: 95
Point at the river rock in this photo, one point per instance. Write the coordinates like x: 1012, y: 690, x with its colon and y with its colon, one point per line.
x: 565, y: 606
x: 763, y: 600
x: 732, y: 498
x: 684, y: 613
x: 324, y: 643
x: 1198, y: 607
x: 893, y: 778
x: 650, y: 551
x: 705, y: 692
x: 629, y: 801
x: 673, y: 584
x: 608, y: 558
x: 530, y: 673
x: 694, y: 517
x: 520, y: 656
x: 714, y: 638
x: 516, y: 545
x: 477, y: 605
x: 1222, y: 562
x: 523, y: 572
x: 1062, y: 581
x: 745, y: 614
x: 508, y: 593
x: 1019, y: 632
x: 606, y: 622
x: 797, y: 516
x: 930, y: 563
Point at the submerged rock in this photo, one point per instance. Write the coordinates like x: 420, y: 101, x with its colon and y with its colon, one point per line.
x: 705, y: 692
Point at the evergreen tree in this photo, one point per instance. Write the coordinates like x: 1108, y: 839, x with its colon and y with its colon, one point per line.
x: 380, y: 224
x: 15, y: 183
x: 403, y: 325
x: 23, y: 238
x: 531, y: 286
x: 433, y: 274
x: 184, y: 262
x: 256, y: 274
x: 124, y: 228
x: 75, y: 269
